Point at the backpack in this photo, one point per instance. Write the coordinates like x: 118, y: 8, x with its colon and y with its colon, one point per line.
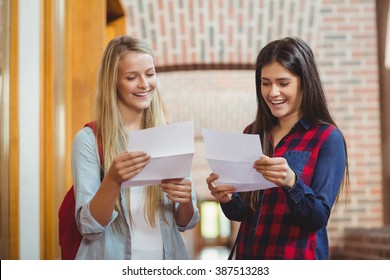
x: 69, y: 235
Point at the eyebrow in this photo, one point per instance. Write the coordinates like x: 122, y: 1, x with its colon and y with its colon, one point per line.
x: 149, y: 69
x: 278, y: 79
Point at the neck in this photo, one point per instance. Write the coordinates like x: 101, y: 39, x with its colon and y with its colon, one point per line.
x: 133, y: 120
x: 288, y: 122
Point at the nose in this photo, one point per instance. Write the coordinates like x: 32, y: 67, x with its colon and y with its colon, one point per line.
x: 143, y: 83
x: 274, y: 91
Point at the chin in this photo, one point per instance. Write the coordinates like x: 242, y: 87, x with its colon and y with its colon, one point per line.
x: 144, y: 106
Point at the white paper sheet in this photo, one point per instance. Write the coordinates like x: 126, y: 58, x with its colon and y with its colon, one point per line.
x: 171, y: 148
x: 231, y: 155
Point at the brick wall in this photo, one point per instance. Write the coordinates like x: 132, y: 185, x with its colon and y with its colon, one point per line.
x: 230, y: 32
x: 367, y: 244
x: 347, y: 54
x: 217, y: 31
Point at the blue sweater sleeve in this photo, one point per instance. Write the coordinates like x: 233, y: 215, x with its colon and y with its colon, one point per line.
x: 234, y: 209
x: 311, y: 206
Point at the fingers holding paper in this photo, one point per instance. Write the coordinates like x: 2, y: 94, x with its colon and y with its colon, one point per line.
x: 126, y: 165
x: 275, y: 170
x: 222, y: 193
x: 178, y: 190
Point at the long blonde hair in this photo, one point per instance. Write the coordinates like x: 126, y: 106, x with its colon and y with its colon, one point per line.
x: 110, y: 127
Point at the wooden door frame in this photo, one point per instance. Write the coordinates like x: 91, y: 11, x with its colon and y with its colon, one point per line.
x: 68, y: 81
x: 382, y: 12
x: 9, y: 188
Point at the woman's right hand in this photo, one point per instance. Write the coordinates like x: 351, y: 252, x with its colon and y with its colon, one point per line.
x: 221, y: 193
x: 127, y: 165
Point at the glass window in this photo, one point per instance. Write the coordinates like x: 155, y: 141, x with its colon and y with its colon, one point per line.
x: 214, y: 224
x: 215, y: 231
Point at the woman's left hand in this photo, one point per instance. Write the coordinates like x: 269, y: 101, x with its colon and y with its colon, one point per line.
x: 275, y: 170
x: 178, y: 190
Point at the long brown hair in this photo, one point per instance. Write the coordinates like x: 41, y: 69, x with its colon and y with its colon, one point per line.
x: 297, y: 57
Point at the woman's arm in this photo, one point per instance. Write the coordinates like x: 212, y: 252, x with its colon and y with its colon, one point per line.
x: 311, y: 206
x: 235, y: 208
x: 231, y: 203
x: 123, y: 167
x: 180, y: 191
x: 95, y: 200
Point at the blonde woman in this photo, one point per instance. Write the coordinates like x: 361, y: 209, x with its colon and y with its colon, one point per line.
x: 142, y: 222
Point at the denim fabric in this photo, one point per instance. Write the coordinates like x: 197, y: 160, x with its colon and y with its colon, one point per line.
x: 318, y: 159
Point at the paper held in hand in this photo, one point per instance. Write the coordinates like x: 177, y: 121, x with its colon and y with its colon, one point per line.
x: 171, y: 148
x: 231, y: 155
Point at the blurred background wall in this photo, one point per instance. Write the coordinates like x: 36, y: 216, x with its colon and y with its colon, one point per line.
x: 205, y: 51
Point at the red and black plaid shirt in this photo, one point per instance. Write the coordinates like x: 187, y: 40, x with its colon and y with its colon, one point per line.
x: 291, y: 223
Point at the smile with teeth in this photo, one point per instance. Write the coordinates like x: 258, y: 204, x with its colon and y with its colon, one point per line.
x: 278, y: 102
x: 141, y: 94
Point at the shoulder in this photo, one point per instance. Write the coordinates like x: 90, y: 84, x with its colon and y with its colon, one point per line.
x: 331, y: 137
x: 324, y: 131
x: 84, y: 138
x: 330, y: 130
x: 335, y: 135
x: 324, y: 135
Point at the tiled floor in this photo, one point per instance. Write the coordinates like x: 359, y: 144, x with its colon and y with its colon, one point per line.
x: 214, y: 253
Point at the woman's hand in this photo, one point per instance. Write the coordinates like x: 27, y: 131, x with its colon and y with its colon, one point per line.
x: 221, y: 193
x: 275, y: 170
x: 127, y: 165
x: 123, y: 167
x: 179, y: 190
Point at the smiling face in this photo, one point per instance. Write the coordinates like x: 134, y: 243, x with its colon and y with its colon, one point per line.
x: 136, y: 82
x: 281, y: 91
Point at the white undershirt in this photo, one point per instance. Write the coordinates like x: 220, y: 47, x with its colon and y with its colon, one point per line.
x: 146, y: 241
